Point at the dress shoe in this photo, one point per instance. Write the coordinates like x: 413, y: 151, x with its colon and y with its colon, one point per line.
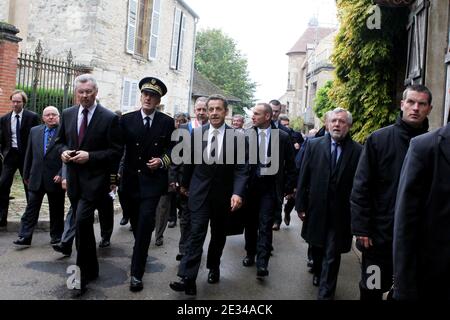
x: 159, y: 242
x: 172, y: 224
x: 248, y: 261
x: 188, y: 286
x: 214, y: 276
x: 261, y: 273
x: 123, y: 221
x: 179, y: 257
x: 62, y: 249
x: 136, y: 284
x: 104, y: 243
x: 21, y: 241
x: 55, y: 240
x: 316, y: 280
x: 287, y: 219
x: 276, y: 227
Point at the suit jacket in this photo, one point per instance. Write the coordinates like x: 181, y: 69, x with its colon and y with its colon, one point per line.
x: 224, y: 180
x: 137, y: 179
x: 422, y: 220
x: 325, y: 195
x: 103, y: 142
x: 40, y: 169
x: 29, y: 120
x: 285, y: 178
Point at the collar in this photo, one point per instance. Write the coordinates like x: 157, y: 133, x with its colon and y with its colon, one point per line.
x: 90, y: 109
x: 152, y: 115
x: 20, y: 114
x: 221, y: 129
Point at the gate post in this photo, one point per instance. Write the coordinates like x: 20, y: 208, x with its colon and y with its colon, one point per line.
x: 9, y: 49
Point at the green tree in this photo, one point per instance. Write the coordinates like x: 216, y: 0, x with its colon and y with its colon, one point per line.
x: 323, y: 102
x: 365, y: 65
x: 218, y: 59
x: 297, y: 123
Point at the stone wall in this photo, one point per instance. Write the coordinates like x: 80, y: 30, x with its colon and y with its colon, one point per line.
x: 4, y: 10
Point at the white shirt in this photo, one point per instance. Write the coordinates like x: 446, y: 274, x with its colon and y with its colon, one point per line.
x: 13, y: 128
x: 151, y: 116
x: 219, y: 138
x: 267, y: 132
x: 91, y: 110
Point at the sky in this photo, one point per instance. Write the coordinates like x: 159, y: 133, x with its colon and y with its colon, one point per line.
x: 264, y: 31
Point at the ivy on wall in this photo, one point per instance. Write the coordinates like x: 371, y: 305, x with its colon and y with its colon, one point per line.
x: 365, y: 65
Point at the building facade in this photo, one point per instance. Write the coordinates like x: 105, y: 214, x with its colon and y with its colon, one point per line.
x: 122, y: 41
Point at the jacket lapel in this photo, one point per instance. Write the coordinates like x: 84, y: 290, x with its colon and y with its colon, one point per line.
x: 444, y: 143
x: 154, y: 131
x: 346, y: 154
x: 92, y: 124
x: 51, y: 143
x: 40, y: 141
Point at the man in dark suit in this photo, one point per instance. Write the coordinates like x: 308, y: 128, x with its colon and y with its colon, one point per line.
x: 42, y: 175
x: 90, y: 141
x: 375, y: 188
x: 323, y: 197
x: 216, y: 189
x: 147, y: 135
x: 265, y: 188
x: 15, y: 127
x: 421, y: 223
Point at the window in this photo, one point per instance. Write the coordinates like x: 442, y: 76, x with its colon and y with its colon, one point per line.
x: 129, y: 95
x: 179, y: 27
x: 143, y: 27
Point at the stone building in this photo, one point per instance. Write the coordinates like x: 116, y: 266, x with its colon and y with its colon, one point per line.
x: 122, y: 41
x: 308, y: 70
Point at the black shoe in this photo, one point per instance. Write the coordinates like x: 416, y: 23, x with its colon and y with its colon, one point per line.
x: 188, y: 286
x: 136, y: 284
x: 248, y: 261
x: 172, y: 224
x: 287, y: 219
x: 261, y: 273
x: 55, y: 240
x: 21, y: 241
x: 214, y: 276
x: 179, y: 257
x: 123, y: 221
x: 104, y: 243
x: 316, y: 280
x: 62, y: 249
x: 159, y: 242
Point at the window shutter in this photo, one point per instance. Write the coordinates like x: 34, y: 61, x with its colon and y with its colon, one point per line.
x: 180, y: 46
x: 131, y: 30
x: 154, y: 33
x: 417, y: 43
x: 133, y: 94
x: 126, y: 95
x: 175, y: 39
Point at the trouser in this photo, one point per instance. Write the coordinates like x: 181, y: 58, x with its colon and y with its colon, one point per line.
x: 142, y: 219
x: 289, y: 206
x: 278, y: 210
x: 106, y: 216
x: 31, y: 215
x: 123, y: 204
x: 213, y: 210
x: 330, y: 266
x: 162, y: 216
x: 185, y: 224
x: 173, y: 206
x: 12, y: 162
x: 376, y: 272
x: 258, y: 227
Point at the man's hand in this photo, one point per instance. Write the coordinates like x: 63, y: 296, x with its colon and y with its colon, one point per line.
x: 365, y: 241
x: 154, y: 163
x: 66, y: 156
x: 172, y: 187
x: 81, y: 158
x: 236, y: 202
x: 302, y: 215
x: 184, y: 191
x: 57, y: 179
x: 64, y: 184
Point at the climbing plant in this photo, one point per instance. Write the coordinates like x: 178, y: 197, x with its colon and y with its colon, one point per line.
x: 365, y: 64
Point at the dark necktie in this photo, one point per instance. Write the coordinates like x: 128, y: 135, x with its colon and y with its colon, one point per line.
x: 147, y: 123
x: 50, y: 133
x: 334, y: 154
x: 83, y: 127
x: 18, y: 131
x: 213, y: 144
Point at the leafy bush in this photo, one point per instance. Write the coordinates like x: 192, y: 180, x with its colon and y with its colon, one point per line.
x: 45, y: 97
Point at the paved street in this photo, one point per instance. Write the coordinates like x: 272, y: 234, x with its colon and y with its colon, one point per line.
x: 39, y: 273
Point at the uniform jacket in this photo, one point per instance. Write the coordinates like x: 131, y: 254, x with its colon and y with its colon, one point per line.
x: 137, y: 179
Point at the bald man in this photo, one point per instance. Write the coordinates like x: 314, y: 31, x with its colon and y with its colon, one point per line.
x: 42, y: 175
